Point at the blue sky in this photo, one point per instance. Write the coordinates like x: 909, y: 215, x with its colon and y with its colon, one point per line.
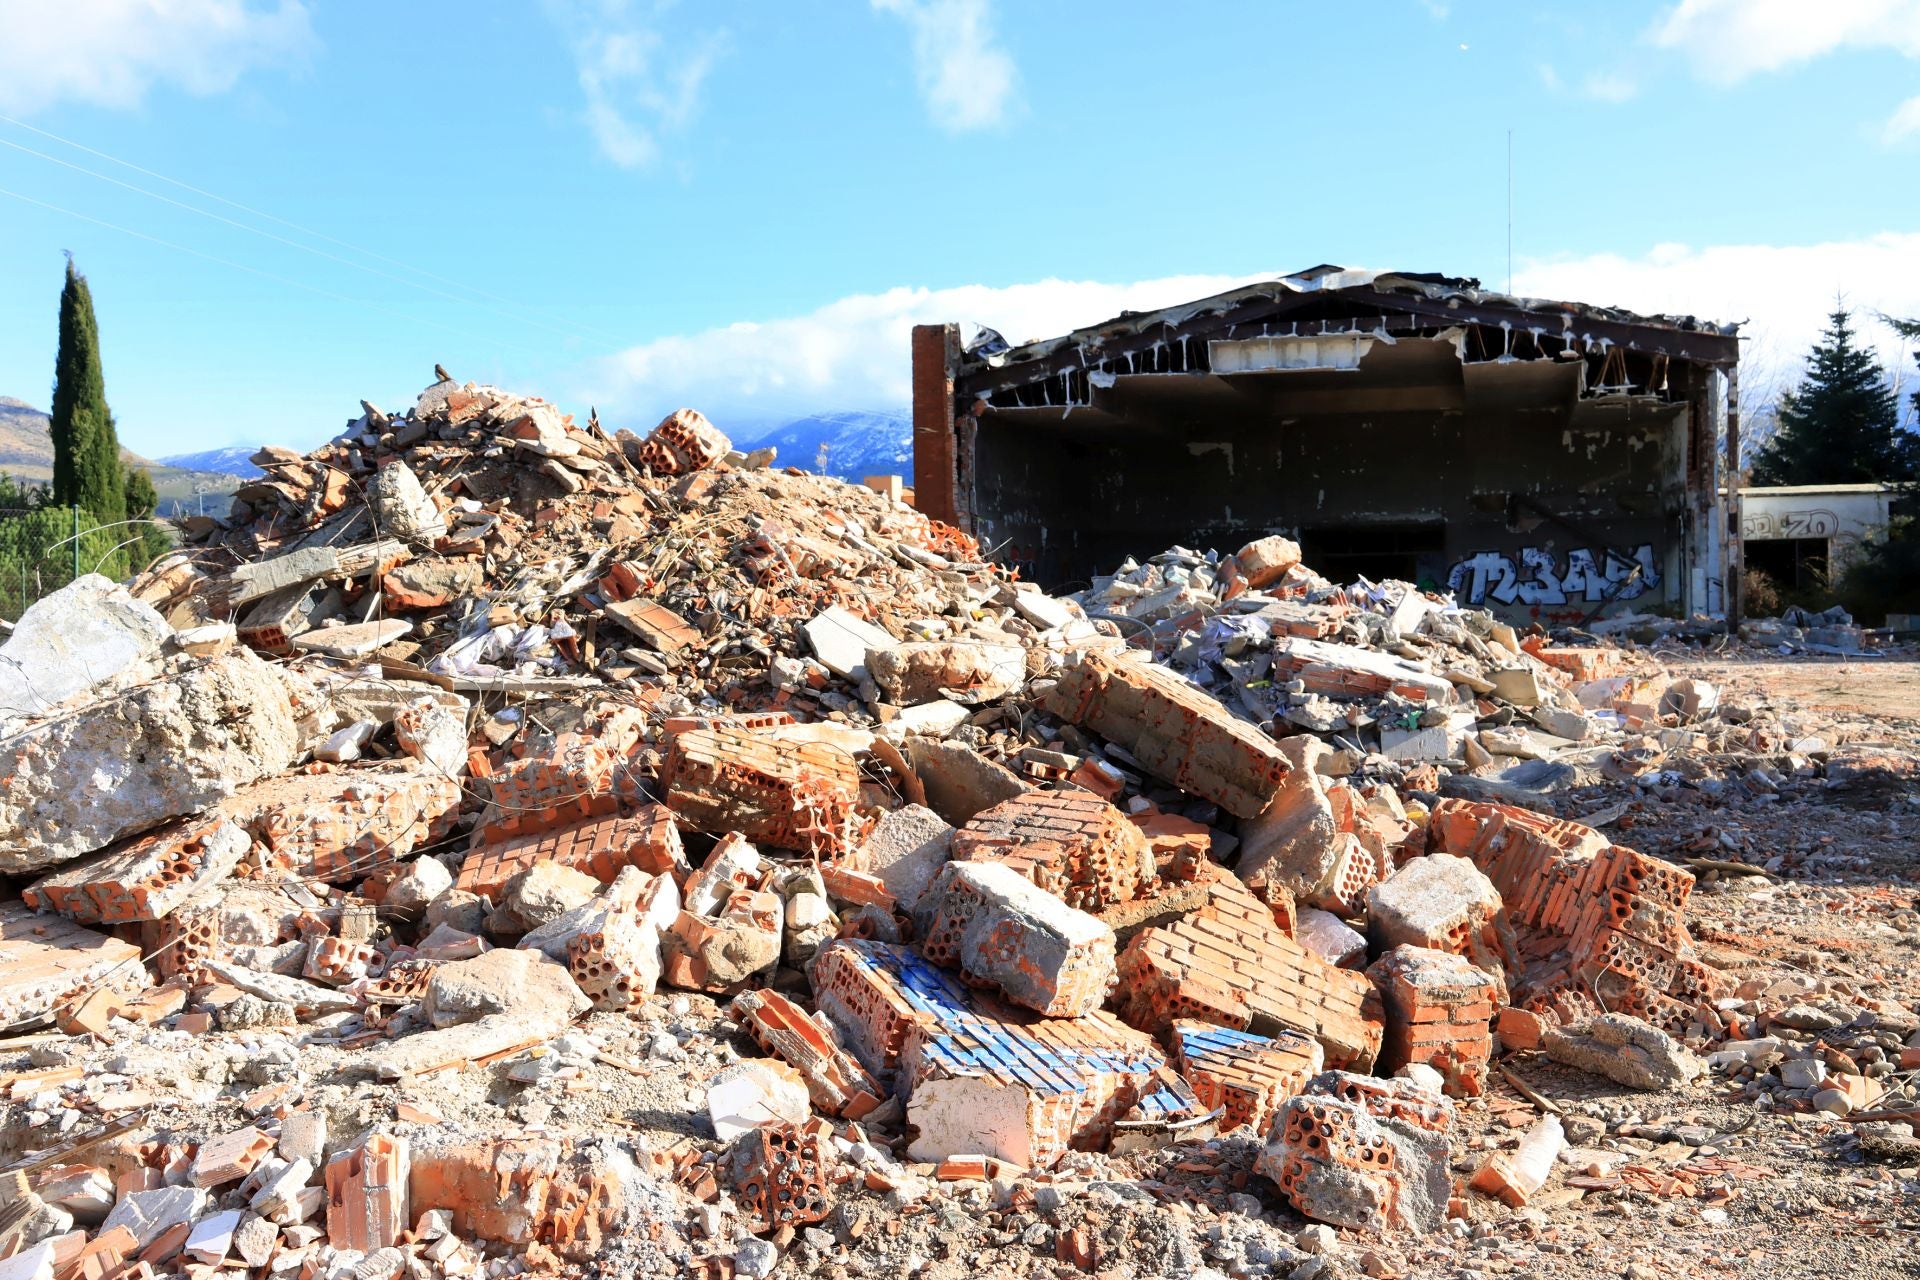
x: 743, y: 207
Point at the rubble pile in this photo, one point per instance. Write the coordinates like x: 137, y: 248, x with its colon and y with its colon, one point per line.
x: 499, y: 846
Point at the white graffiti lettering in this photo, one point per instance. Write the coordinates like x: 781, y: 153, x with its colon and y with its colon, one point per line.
x: 1762, y: 525
x: 1540, y: 579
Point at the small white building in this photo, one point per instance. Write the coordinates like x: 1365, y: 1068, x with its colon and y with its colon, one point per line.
x: 1801, y: 535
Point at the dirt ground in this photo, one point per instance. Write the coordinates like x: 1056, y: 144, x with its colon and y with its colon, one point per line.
x: 1776, y: 1189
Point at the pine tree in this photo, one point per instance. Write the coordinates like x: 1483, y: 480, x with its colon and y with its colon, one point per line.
x: 1841, y: 425
x: 87, y: 471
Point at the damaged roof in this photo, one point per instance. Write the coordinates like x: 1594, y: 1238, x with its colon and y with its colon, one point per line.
x: 1444, y: 298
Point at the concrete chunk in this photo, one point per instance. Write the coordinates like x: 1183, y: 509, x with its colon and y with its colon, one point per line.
x: 841, y: 641
x: 1623, y: 1049
x: 80, y: 781
x: 961, y: 782
x: 513, y: 981
x: 87, y: 636
x: 1444, y: 902
x: 401, y: 507
x: 352, y: 639
x: 906, y: 849
x: 148, y: 1213
x: 962, y: 671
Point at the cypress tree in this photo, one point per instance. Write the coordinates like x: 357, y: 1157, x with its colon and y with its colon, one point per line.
x: 1841, y: 425
x: 87, y: 471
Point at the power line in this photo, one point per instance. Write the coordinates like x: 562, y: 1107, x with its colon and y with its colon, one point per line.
x: 294, y: 226
x: 277, y: 239
x: 241, y: 266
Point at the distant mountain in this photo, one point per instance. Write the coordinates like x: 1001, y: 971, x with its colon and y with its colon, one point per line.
x: 26, y: 453
x: 858, y: 444
x: 236, y: 461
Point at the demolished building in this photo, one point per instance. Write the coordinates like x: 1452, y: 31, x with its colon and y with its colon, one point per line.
x: 1538, y: 458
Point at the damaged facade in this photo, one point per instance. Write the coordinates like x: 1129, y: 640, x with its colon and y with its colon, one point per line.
x: 1541, y: 459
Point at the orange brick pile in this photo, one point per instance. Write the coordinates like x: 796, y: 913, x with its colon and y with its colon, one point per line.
x: 1611, y: 917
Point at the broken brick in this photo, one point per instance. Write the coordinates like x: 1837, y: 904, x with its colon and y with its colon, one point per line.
x: 1439, y: 1012
x: 1173, y: 728
x: 368, y: 1206
x: 836, y: 1082
x: 803, y: 796
x: 997, y: 927
x: 1073, y: 845
x: 1230, y: 964
x: 143, y: 878
x: 600, y: 847
x: 1245, y: 1076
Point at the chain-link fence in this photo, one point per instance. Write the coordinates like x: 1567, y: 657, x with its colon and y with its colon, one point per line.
x: 43, y: 549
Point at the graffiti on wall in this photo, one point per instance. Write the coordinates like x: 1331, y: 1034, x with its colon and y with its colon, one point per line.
x: 1761, y: 525
x: 1536, y: 576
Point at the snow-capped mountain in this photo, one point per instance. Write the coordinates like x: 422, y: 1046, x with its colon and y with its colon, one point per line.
x: 856, y: 443
x: 232, y: 461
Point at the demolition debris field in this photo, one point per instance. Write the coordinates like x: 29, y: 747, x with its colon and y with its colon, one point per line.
x: 503, y: 846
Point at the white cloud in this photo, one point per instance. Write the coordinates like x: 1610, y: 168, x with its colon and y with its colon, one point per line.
x: 1903, y: 124
x: 1729, y: 40
x: 636, y: 87
x: 1609, y: 86
x: 965, y: 76
x: 110, y: 52
x: 1782, y: 293
x: 851, y: 353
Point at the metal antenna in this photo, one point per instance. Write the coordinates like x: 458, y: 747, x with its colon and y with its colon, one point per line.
x: 1509, y: 211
